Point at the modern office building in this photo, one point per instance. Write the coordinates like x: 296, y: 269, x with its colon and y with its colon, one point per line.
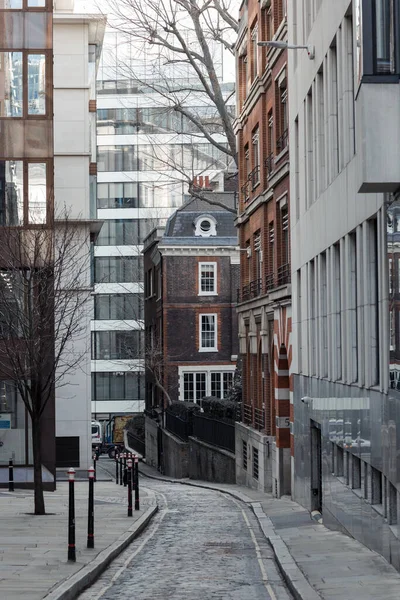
x: 264, y: 300
x: 144, y: 150
x: 345, y: 182
x: 48, y: 60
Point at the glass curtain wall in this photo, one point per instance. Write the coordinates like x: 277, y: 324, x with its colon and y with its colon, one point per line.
x: 26, y: 168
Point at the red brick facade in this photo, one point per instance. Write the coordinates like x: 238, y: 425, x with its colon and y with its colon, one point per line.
x: 264, y: 307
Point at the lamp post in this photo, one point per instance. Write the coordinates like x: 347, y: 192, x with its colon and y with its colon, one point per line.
x: 286, y: 46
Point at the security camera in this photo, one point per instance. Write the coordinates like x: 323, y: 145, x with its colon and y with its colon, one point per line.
x: 306, y: 399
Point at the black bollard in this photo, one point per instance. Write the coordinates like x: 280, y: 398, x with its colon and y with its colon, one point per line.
x: 95, y: 465
x: 130, y: 487
x: 90, y: 531
x: 10, y: 475
x: 116, y: 468
x: 137, y: 505
x: 71, y: 516
x: 120, y: 468
x: 125, y: 471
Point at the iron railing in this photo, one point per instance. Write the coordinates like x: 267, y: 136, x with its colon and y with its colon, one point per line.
x: 282, y: 142
x: 259, y: 419
x: 284, y: 274
x: 254, y: 417
x: 245, y: 189
x: 270, y: 282
x: 269, y: 165
x: 177, y: 426
x: 249, y: 291
x: 255, y: 176
x: 212, y: 431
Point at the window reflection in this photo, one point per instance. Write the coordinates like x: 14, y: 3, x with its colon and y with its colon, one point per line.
x: 36, y: 3
x: 382, y: 36
x: 11, y: 192
x: 12, y: 424
x: 37, y: 197
x: 393, y: 241
x: 11, y: 88
x: 10, y: 4
x: 36, y: 84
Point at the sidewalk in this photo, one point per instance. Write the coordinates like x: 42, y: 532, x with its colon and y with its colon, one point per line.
x: 33, y: 551
x: 315, y: 561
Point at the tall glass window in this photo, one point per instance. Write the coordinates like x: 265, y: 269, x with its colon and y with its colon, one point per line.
x: 382, y: 36
x: 11, y: 192
x: 36, y: 84
x: 37, y: 196
x: 11, y: 87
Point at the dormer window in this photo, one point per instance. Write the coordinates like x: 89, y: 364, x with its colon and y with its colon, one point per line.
x: 205, y: 226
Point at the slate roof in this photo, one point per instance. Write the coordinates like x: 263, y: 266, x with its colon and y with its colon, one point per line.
x: 180, y: 228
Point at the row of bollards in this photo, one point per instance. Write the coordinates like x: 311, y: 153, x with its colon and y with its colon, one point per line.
x: 127, y: 472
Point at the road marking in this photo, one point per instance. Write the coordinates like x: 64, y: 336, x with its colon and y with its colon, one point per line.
x: 130, y: 558
x: 258, y: 553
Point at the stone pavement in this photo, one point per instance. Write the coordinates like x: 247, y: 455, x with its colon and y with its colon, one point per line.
x: 33, y: 551
x: 315, y: 561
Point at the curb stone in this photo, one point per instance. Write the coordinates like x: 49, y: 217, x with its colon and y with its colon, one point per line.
x: 293, y: 576
x: 74, y: 585
x: 291, y: 572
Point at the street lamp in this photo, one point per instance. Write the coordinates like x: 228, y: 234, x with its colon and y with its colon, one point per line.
x: 286, y: 46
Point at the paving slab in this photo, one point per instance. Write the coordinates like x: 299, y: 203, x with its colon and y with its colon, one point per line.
x: 33, y: 555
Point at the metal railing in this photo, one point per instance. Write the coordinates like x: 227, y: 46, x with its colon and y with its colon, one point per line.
x: 269, y: 165
x: 249, y: 291
x: 259, y: 419
x: 245, y: 189
x: 270, y: 282
x: 212, y: 431
x: 284, y: 274
x: 254, y: 417
x: 177, y: 426
x: 254, y: 177
x: 247, y: 414
x: 255, y: 288
x: 282, y: 142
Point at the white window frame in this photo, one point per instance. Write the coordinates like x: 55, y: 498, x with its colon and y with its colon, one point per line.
x: 215, y: 347
x: 208, y: 264
x: 208, y: 370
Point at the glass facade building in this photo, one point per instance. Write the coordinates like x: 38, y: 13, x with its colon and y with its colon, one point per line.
x: 145, y: 150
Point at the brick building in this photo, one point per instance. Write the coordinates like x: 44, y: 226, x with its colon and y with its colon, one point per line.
x: 191, y: 277
x: 264, y: 300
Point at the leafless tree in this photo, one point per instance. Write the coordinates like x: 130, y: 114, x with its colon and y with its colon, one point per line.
x: 44, y: 294
x: 184, y: 36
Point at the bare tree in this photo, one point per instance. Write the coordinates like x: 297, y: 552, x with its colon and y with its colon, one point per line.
x: 44, y: 293
x: 187, y: 37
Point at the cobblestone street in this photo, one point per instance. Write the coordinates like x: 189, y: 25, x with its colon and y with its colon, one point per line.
x: 201, y: 545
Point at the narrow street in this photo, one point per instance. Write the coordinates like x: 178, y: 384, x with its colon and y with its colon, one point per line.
x: 201, y: 545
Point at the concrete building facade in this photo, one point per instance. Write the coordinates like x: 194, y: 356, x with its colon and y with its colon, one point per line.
x: 345, y: 177
x: 264, y: 299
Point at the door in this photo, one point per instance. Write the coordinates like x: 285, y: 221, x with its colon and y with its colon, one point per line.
x: 316, y: 467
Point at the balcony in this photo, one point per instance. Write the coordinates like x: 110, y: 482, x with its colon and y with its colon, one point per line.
x: 269, y: 282
x: 250, y: 291
x: 282, y: 142
x: 255, y: 177
x: 284, y: 275
x: 269, y: 165
x: 255, y: 417
x: 245, y: 190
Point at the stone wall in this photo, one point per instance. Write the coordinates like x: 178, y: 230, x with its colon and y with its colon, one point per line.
x: 175, y: 456
x: 209, y: 463
x: 151, y: 432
